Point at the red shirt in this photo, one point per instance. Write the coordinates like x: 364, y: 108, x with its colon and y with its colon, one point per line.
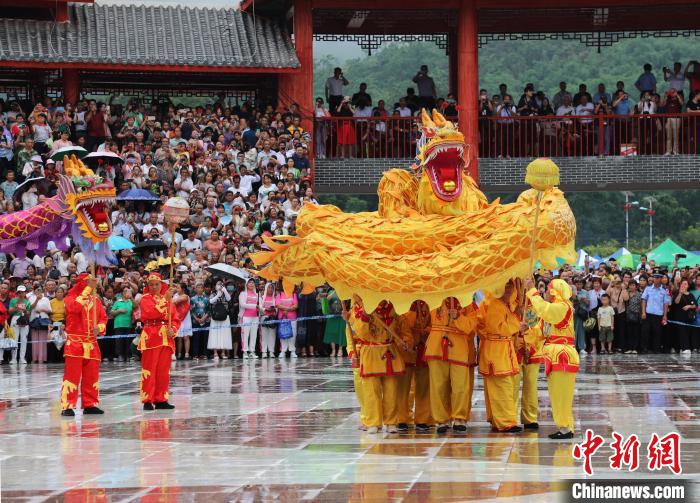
x: 80, y: 321
x: 154, y: 315
x: 96, y: 125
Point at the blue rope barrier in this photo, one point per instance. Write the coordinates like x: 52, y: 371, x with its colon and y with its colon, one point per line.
x: 206, y: 329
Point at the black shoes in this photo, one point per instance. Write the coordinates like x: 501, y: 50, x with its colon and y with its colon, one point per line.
x: 422, y: 427
x: 402, y: 427
x: 157, y: 406
x: 532, y: 426
x: 442, y: 429
x: 512, y: 429
x: 93, y: 410
x: 459, y: 427
x: 562, y: 436
x: 68, y: 413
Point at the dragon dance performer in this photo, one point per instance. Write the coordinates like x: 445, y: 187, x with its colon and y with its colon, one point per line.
x: 85, y: 320
x: 560, y: 356
x: 414, y: 328
x: 498, y: 326
x: 451, y: 357
x: 157, y: 343
x: 380, y: 365
x: 528, y: 348
x: 353, y: 322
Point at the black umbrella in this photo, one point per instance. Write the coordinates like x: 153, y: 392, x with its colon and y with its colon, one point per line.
x: 150, y: 245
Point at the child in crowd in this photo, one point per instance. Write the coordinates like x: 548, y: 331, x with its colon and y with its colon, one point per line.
x: 606, y: 324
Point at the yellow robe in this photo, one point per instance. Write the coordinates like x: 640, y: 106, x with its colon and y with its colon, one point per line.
x: 452, y: 342
x: 498, y: 327
x: 357, y: 380
x: 414, y: 386
x: 381, y: 366
x: 451, y: 357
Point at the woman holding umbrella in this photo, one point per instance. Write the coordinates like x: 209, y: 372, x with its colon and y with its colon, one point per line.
x: 219, y: 330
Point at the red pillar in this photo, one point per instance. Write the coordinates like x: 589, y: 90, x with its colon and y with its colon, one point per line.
x: 299, y: 87
x: 62, y: 12
x: 71, y: 86
x: 468, y: 81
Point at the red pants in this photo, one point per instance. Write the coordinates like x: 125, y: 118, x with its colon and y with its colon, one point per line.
x: 155, y: 374
x: 75, y: 369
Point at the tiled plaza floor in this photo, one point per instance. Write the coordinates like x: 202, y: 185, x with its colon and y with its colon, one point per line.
x: 286, y: 430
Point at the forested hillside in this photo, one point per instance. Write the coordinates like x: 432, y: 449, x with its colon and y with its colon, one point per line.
x: 389, y: 71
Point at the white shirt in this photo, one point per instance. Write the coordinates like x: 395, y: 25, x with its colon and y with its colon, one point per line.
x: 178, y: 240
x: 62, y: 265
x: 191, y: 245
x: 44, y: 304
x: 594, y: 298
x: 335, y: 86
x: 81, y: 262
x: 564, y: 110
x: 148, y: 227
x: 505, y: 111
x: 247, y: 182
x: 363, y: 112
x: 676, y: 81
x: 266, y: 156
x: 585, y: 110
x: 185, y: 185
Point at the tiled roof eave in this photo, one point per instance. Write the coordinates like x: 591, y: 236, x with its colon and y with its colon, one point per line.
x: 178, y: 36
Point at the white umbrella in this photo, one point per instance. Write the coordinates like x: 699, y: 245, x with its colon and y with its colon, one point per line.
x: 228, y: 271
x: 106, y: 155
x: 79, y: 152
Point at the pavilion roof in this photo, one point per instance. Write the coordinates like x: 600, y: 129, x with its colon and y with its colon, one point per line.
x: 149, y: 35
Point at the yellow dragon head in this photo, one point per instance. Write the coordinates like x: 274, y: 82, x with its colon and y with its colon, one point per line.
x: 440, y: 157
x: 85, y: 197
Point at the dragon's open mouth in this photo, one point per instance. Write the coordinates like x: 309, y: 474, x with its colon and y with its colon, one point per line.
x: 443, y: 164
x: 94, y: 218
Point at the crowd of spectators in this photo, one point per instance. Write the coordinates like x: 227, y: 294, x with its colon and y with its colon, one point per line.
x: 245, y: 171
x: 624, y: 122
x: 648, y: 309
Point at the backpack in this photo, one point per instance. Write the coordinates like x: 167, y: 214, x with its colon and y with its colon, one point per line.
x: 219, y: 311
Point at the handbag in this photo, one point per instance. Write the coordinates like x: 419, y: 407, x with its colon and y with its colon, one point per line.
x: 10, y: 332
x: 40, y: 323
x: 589, y: 324
x: 285, y: 330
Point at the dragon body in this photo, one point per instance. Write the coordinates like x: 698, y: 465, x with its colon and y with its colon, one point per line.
x: 433, y: 236
x: 79, y: 209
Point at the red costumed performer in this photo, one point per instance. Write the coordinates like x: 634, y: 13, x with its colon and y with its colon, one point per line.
x: 157, y: 343
x: 85, y: 320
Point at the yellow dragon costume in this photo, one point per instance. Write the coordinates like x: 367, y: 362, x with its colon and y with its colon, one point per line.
x: 434, y: 235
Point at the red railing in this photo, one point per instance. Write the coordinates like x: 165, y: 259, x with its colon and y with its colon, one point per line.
x: 550, y: 136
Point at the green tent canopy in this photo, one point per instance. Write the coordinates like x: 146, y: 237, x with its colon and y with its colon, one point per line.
x: 664, y: 254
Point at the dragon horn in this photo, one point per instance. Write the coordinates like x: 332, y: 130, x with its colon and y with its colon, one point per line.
x: 438, y: 118
x: 426, y: 120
